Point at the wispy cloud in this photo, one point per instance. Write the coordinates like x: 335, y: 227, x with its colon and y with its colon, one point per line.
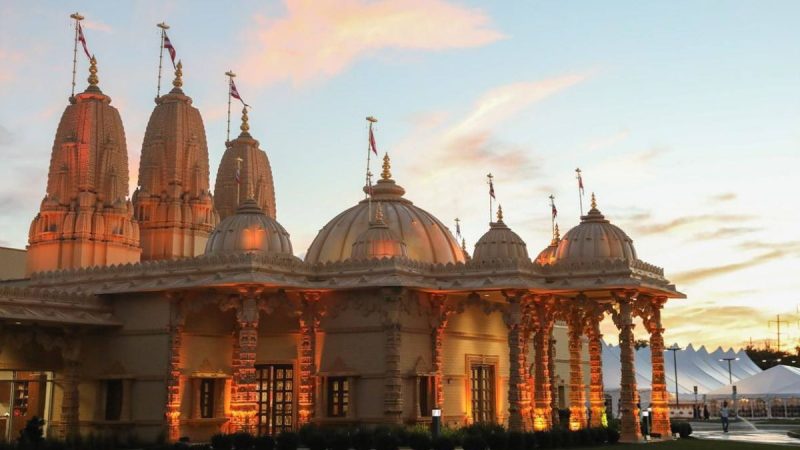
x: 696, y: 275
x: 655, y: 228
x: 320, y: 39
x: 602, y: 142
x: 723, y: 197
x: 724, y: 232
x: 96, y: 26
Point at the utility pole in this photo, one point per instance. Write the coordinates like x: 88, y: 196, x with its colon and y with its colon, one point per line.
x: 674, y: 349
x: 778, y: 323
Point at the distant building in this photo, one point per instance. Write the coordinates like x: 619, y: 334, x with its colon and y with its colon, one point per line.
x: 12, y: 263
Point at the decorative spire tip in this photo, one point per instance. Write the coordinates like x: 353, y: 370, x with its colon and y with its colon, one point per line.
x: 178, y: 81
x: 594, y: 201
x: 499, y: 213
x: 93, y: 80
x: 245, y: 127
x: 387, y: 167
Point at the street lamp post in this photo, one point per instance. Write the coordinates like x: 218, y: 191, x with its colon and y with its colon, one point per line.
x: 730, y: 381
x: 674, y: 349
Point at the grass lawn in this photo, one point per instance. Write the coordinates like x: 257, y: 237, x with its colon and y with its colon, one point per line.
x: 692, y: 444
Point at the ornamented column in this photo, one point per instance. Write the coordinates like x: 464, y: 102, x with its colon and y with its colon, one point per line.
x: 597, y: 401
x: 519, y: 403
x: 244, y: 405
x: 623, y: 319
x: 393, y: 393
x: 309, y: 323
x: 543, y: 308
x: 577, y: 390
x: 650, y: 311
x: 551, y: 370
x: 438, y: 320
x: 70, y: 401
x: 174, y: 385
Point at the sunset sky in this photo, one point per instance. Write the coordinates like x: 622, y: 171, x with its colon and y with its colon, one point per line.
x: 684, y: 117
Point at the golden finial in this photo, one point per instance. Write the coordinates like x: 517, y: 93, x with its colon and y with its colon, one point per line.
x: 556, y: 236
x: 463, y: 244
x: 387, y: 167
x: 93, y: 72
x: 178, y: 82
x: 594, y: 202
x: 499, y: 213
x: 245, y: 126
x: 379, y: 213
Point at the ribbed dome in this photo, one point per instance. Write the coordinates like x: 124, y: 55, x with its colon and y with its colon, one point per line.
x: 425, y: 237
x: 249, y: 230
x: 548, y: 255
x: 595, y: 239
x: 378, y: 241
x: 499, y: 243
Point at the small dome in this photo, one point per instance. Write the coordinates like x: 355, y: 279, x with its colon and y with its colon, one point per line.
x: 378, y: 241
x: 249, y: 230
x: 595, y: 239
x: 548, y: 255
x: 499, y: 243
x: 425, y: 237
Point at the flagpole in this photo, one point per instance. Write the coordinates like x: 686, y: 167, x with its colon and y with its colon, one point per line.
x: 238, y: 180
x: 164, y: 27
x: 77, y: 18
x: 552, y: 216
x: 230, y: 76
x: 371, y: 121
x: 490, y: 177
x: 580, y: 189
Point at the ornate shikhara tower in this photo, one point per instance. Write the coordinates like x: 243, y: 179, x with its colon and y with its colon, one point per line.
x: 172, y: 202
x: 85, y: 218
x: 244, y: 157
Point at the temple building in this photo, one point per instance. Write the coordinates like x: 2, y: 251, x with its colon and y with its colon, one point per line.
x: 180, y: 313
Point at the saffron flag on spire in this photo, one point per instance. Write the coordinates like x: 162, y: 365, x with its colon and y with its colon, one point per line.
x: 554, y: 210
x: 580, y: 181
x: 168, y: 45
x: 83, y: 41
x: 235, y: 93
x: 491, y: 189
x: 372, y: 145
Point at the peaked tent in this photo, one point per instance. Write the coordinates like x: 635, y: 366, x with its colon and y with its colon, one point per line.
x: 776, y: 382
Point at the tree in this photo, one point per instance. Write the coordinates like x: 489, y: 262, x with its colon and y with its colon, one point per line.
x: 641, y: 343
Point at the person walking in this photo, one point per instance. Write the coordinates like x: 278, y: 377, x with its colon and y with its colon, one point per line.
x: 706, y: 414
x: 723, y: 414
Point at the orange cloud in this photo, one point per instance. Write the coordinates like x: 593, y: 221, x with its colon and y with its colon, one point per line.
x: 319, y: 39
x: 693, y: 276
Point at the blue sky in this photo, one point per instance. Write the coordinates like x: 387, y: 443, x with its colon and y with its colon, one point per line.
x: 683, y: 115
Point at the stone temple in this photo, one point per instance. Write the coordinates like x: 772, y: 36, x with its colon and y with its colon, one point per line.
x: 175, y: 312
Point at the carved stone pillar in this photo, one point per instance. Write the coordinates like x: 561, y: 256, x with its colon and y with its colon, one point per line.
x: 309, y: 323
x: 577, y: 390
x: 597, y: 401
x: 393, y: 386
x: 519, y: 402
x: 543, y: 308
x: 623, y: 319
x: 70, y: 401
x: 174, y: 385
x: 650, y: 311
x: 244, y: 404
x: 551, y: 370
x: 439, y: 315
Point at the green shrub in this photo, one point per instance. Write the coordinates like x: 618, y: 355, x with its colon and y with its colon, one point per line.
x: 419, y: 441
x: 515, y: 440
x: 221, y: 441
x: 386, y: 440
x: 339, y: 440
x: 599, y: 435
x: 497, y: 439
x: 315, y: 440
x: 613, y: 435
x: 362, y: 439
x: 287, y: 441
x: 264, y: 443
x: 684, y: 429
x: 543, y: 439
x: 243, y: 441
x: 473, y: 441
x: 530, y: 441
x: 444, y: 442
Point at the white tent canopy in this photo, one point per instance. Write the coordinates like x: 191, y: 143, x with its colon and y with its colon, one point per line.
x: 696, y: 367
x: 776, y: 382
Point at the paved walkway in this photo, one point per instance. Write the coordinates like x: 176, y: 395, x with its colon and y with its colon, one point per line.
x: 758, y: 436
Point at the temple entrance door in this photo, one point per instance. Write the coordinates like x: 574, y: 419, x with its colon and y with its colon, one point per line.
x: 483, y: 395
x: 23, y: 395
x: 275, y: 398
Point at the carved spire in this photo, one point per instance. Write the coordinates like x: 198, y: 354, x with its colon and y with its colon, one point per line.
x: 499, y: 213
x: 556, y: 236
x: 93, y: 80
x: 387, y: 168
x: 594, y: 201
x: 178, y: 81
x: 463, y: 244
